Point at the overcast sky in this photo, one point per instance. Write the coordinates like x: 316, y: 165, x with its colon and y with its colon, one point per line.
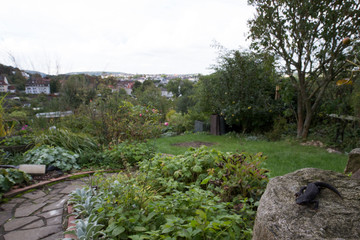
x: 132, y: 36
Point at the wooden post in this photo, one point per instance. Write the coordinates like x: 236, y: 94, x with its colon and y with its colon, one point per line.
x: 215, y: 124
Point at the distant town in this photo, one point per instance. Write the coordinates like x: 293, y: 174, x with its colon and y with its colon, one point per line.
x: 12, y: 79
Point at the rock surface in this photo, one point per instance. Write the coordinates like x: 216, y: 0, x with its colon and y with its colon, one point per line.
x: 37, y: 215
x: 353, y: 163
x: 279, y: 217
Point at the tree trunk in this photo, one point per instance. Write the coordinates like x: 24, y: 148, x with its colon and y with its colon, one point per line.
x: 305, y: 108
x: 307, y: 123
x: 300, y: 117
x: 304, y: 117
x: 300, y: 108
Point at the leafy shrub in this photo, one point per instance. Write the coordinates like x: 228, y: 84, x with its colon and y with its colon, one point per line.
x: 203, y: 194
x: 128, y: 153
x: 278, y: 129
x: 8, y: 158
x: 16, y: 140
x: 241, y: 90
x: 87, y: 229
x: 188, y: 168
x: 181, y: 123
x: 336, y: 133
x: 130, y: 209
x: 176, y: 122
x: 132, y: 123
x: 10, y: 177
x: 55, y: 156
x: 2, y: 155
x: 91, y: 159
x: 81, y: 122
x: 75, y: 142
x: 5, y: 130
x: 12, y: 146
x: 19, y: 116
x: 230, y: 175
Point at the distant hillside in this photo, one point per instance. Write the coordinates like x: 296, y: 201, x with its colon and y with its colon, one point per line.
x: 15, y: 76
x: 35, y: 72
x: 94, y: 73
x: 8, y: 70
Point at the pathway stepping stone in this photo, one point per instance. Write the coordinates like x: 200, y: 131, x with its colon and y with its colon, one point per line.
x: 34, y: 195
x: 32, y: 234
x: 19, y: 222
x: 37, y: 224
x: 37, y: 215
x: 55, y: 205
x: 29, y: 209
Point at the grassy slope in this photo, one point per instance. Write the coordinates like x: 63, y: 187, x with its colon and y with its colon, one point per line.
x: 283, y: 156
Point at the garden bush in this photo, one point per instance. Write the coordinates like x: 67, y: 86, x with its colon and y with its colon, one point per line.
x: 128, y: 154
x: 278, y: 129
x: 127, y: 208
x: 10, y: 177
x: 92, y: 159
x: 230, y: 175
x: 202, y: 194
x: 16, y: 140
x: 132, y: 123
x: 8, y: 158
x: 52, y: 156
x: 178, y: 122
x: 75, y: 142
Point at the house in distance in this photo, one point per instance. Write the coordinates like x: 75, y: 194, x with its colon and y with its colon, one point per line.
x: 4, y: 84
x: 37, y: 85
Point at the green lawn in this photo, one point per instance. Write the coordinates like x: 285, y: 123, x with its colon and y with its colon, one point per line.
x: 283, y: 156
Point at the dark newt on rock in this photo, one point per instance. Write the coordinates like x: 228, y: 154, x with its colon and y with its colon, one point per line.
x: 311, y: 191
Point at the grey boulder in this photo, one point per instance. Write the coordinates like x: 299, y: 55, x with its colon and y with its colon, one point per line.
x: 279, y: 217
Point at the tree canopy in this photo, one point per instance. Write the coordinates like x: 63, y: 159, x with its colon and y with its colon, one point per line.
x: 242, y: 89
x: 307, y: 36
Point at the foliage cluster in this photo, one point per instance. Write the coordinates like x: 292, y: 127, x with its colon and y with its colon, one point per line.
x: 16, y: 140
x: 241, y: 90
x: 181, y: 197
x: 228, y: 174
x: 280, y: 125
x: 75, y: 142
x: 337, y: 133
x: 127, y: 154
x: 14, y: 75
x: 77, y: 90
x: 52, y: 156
x: 176, y: 121
x: 179, y: 122
x: 183, y: 92
x: 10, y: 177
x: 307, y: 37
x: 149, y: 95
x: 5, y: 130
x: 132, y: 122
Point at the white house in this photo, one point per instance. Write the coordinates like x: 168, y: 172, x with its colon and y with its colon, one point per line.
x: 166, y: 93
x: 37, y: 86
x: 4, y: 84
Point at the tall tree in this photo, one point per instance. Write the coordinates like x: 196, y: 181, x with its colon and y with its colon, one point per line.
x: 151, y: 96
x: 307, y: 36
x: 75, y: 91
x: 179, y: 86
x: 182, y: 89
x: 242, y: 90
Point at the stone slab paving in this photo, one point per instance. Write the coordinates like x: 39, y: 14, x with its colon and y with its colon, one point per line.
x: 39, y: 214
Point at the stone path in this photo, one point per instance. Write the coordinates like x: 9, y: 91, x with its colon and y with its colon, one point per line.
x: 39, y: 214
